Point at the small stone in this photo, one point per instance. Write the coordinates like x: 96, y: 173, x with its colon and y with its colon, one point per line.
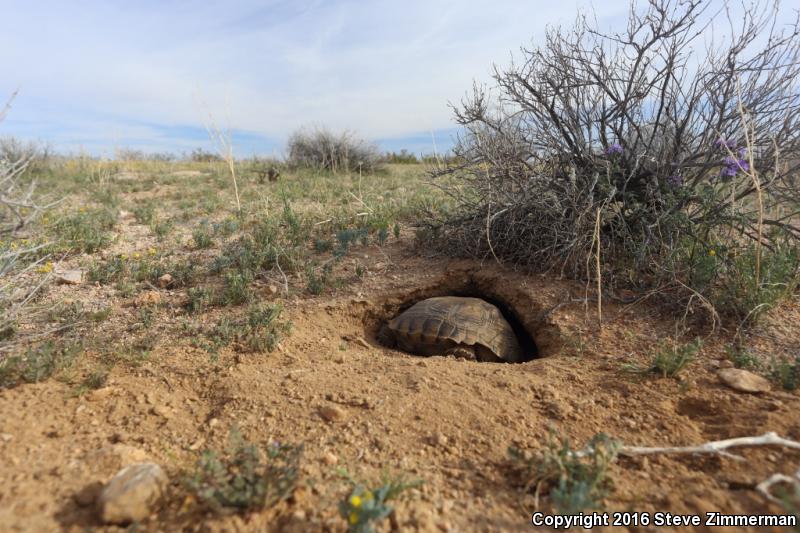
x: 331, y: 413
x: 363, y: 343
x: 330, y: 459
x: 6, y: 437
x: 148, y: 298
x: 70, y: 277
x: 213, y: 422
x: 100, y: 394
x: 165, y: 281
x: 273, y: 290
x: 438, y: 439
x: 132, y: 494
x: 743, y: 380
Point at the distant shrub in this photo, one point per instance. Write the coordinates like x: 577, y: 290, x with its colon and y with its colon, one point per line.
x: 403, y: 157
x: 321, y: 149
x: 678, y: 170
x: 200, y: 155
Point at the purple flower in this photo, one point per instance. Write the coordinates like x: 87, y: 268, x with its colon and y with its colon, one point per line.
x: 675, y: 180
x: 742, y: 152
x: 743, y: 164
x: 615, y: 148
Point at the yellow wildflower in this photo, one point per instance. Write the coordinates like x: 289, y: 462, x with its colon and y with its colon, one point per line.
x: 123, y: 257
x: 355, y: 501
x: 368, y: 496
x: 353, y: 518
x: 136, y: 255
x: 151, y: 251
x: 82, y: 210
x: 45, y: 268
x: 712, y: 253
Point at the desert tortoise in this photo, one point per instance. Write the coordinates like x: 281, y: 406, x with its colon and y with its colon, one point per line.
x: 453, y: 325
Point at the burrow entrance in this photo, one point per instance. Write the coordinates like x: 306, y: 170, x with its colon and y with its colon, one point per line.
x: 525, y: 313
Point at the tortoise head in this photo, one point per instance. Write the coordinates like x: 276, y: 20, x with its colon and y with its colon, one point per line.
x: 387, y: 337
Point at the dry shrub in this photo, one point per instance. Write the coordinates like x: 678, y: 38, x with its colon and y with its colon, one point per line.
x: 688, y: 160
x: 323, y: 150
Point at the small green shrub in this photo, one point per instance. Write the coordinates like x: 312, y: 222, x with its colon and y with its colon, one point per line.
x: 244, y: 478
x: 37, y: 364
x: 260, y: 331
x: 364, y: 508
x: 786, y: 372
x: 237, y: 289
x: 145, y: 213
x: 198, y: 299
x: 741, y: 357
x: 669, y: 360
x: 576, y: 481
x: 202, y: 237
x: 86, y: 231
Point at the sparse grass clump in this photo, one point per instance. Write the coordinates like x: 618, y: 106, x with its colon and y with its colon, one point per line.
x: 37, y: 363
x: 786, y: 372
x: 260, y: 331
x: 575, y: 480
x: 86, y: 231
x: 669, y: 360
x: 244, y: 477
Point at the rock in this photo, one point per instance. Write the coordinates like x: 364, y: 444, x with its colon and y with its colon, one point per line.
x: 148, y: 298
x: 273, y: 290
x: 70, y: 277
x: 438, y: 439
x: 363, y: 343
x: 100, y: 394
x: 6, y: 437
x: 132, y: 494
x: 165, y: 281
x: 331, y: 413
x: 725, y: 363
x: 743, y: 381
x: 330, y: 459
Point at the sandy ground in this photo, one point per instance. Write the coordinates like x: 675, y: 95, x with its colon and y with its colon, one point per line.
x: 446, y: 421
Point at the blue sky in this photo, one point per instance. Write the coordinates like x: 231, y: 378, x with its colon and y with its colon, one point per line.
x: 145, y: 74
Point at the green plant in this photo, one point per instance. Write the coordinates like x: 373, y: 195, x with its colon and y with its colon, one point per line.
x: 246, y: 478
x: 364, y: 508
x: 202, y: 237
x: 669, y: 360
x: 237, y: 289
x: 144, y: 212
x: 741, y: 357
x: 396, y: 230
x: 786, y: 372
x: 37, y: 364
x: 383, y: 235
x: 575, y: 480
x: 198, y: 299
x: 316, y: 283
x: 85, y: 231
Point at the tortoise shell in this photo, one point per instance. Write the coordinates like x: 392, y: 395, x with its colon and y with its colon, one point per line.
x: 437, y: 326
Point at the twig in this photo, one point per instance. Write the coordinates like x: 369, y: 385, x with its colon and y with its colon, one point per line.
x: 774, y: 479
x: 714, y: 447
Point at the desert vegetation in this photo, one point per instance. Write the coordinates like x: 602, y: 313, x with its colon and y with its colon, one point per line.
x: 651, y: 158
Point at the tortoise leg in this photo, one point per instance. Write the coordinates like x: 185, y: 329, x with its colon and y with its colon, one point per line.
x: 387, y: 337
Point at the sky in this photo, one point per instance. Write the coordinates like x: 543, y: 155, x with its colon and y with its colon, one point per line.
x: 151, y: 74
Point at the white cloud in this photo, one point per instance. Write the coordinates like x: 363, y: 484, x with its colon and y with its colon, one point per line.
x: 92, y: 70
